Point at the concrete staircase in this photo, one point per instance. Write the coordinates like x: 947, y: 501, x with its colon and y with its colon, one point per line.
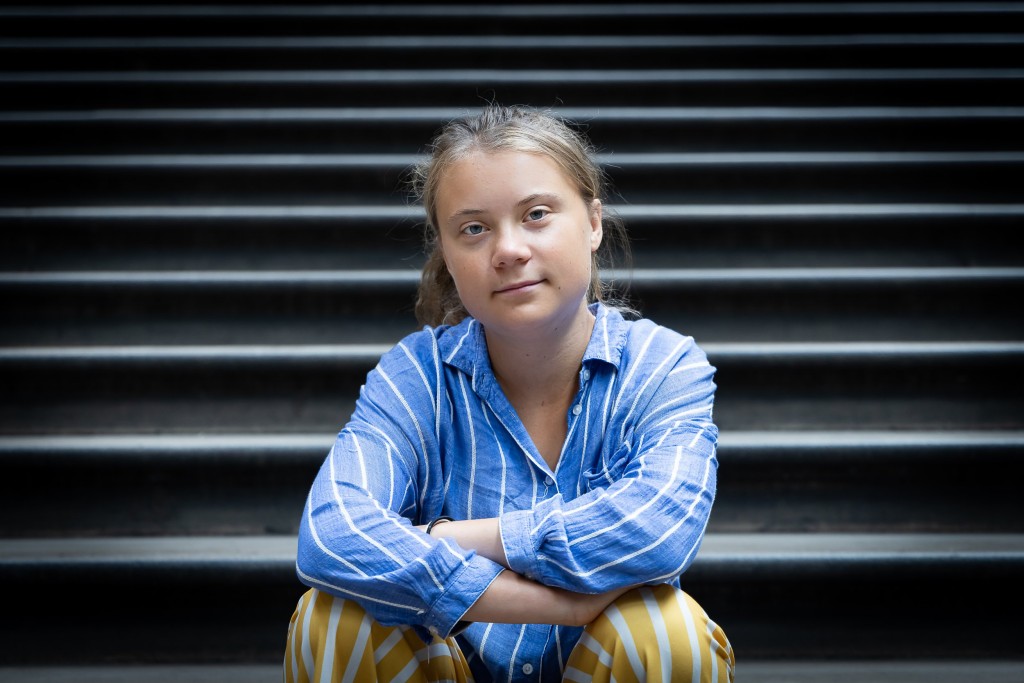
x: 205, y: 244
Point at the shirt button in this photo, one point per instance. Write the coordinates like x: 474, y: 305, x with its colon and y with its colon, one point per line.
x: 586, y: 374
x: 548, y: 481
x: 527, y: 668
x: 577, y: 409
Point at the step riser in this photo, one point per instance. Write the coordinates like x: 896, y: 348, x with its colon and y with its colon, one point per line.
x: 382, y: 312
x: 899, y: 615
x: 173, y: 613
x: 109, y: 494
x: 559, y: 89
x: 222, y: 394
x: 807, y: 235
x: 243, y: 135
x: 172, y: 618
x: 510, y: 19
x: 825, y: 181
x: 587, y: 53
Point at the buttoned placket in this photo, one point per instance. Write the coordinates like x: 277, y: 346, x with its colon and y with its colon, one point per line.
x: 529, y: 660
x: 575, y: 411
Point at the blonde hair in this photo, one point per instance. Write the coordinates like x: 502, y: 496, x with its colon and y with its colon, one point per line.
x: 518, y: 129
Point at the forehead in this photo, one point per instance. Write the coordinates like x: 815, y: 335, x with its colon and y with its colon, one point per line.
x: 498, y: 176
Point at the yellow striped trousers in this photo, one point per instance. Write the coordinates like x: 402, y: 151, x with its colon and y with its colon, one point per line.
x: 651, y: 633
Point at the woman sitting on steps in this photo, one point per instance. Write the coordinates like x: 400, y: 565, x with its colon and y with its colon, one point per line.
x: 525, y: 480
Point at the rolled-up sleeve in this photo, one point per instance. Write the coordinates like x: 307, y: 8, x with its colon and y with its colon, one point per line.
x: 642, y: 516
x: 356, y: 537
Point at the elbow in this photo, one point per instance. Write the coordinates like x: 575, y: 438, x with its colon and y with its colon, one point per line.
x: 304, y: 570
x: 669, y: 557
x: 306, y: 556
x: 685, y: 549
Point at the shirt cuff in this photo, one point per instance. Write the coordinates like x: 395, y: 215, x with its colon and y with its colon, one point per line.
x: 447, y: 611
x: 515, y: 537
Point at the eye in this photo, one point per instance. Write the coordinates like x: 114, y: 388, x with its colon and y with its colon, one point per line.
x: 537, y: 214
x: 473, y: 229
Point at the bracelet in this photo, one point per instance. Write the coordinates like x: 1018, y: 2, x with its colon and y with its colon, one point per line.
x: 437, y: 521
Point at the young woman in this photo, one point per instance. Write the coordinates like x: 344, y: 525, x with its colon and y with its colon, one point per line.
x: 523, y: 481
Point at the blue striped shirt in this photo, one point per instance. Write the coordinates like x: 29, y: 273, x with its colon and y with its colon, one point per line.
x: 433, y: 434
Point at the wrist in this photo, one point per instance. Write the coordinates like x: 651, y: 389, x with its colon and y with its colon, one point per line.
x: 436, y: 521
x: 575, y: 615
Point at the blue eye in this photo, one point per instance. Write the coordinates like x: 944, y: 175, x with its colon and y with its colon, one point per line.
x: 473, y: 229
x: 537, y: 214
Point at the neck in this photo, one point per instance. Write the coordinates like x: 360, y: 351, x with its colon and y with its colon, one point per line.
x: 541, y: 365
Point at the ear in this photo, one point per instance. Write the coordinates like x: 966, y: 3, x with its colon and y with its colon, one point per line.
x: 596, y: 225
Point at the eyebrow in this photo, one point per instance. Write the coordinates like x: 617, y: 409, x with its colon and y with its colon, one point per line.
x: 549, y: 197
x: 465, y: 212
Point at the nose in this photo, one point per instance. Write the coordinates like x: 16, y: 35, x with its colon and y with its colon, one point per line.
x: 510, y: 247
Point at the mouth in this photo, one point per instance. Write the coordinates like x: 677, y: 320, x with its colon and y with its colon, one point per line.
x: 518, y: 287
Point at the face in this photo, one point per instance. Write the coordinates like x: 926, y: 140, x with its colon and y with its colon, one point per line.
x: 518, y: 240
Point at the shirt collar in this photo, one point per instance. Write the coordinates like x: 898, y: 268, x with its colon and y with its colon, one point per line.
x: 608, y: 337
x: 464, y: 347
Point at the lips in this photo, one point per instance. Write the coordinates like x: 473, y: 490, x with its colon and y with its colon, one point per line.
x: 517, y: 286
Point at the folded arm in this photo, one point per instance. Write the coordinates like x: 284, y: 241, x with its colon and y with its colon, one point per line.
x: 512, y: 598
x: 643, y: 518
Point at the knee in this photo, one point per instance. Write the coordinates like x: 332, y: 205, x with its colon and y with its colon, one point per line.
x: 661, y: 626
x: 319, y: 616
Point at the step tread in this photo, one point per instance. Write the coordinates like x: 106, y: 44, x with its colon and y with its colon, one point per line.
x: 389, y: 160
x: 362, y: 353
x: 754, y: 671
x: 143, y: 673
x: 499, y: 42
x: 383, y: 115
x: 287, y: 446
x: 530, y: 10
x: 756, y: 548
x: 732, y: 211
x: 531, y: 76
x: 411, y: 276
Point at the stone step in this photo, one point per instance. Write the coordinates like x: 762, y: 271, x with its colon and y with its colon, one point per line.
x: 667, y: 85
x: 607, y: 51
x: 654, y: 177
x: 755, y: 671
x: 189, y: 599
x: 382, y: 236
x: 251, y: 484
x: 405, y: 129
x: 342, y: 305
x: 302, y: 388
x: 508, y: 19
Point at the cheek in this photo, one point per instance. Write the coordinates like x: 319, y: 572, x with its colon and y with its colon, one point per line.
x: 461, y: 274
x: 455, y: 268
x: 583, y: 256
x: 452, y: 267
